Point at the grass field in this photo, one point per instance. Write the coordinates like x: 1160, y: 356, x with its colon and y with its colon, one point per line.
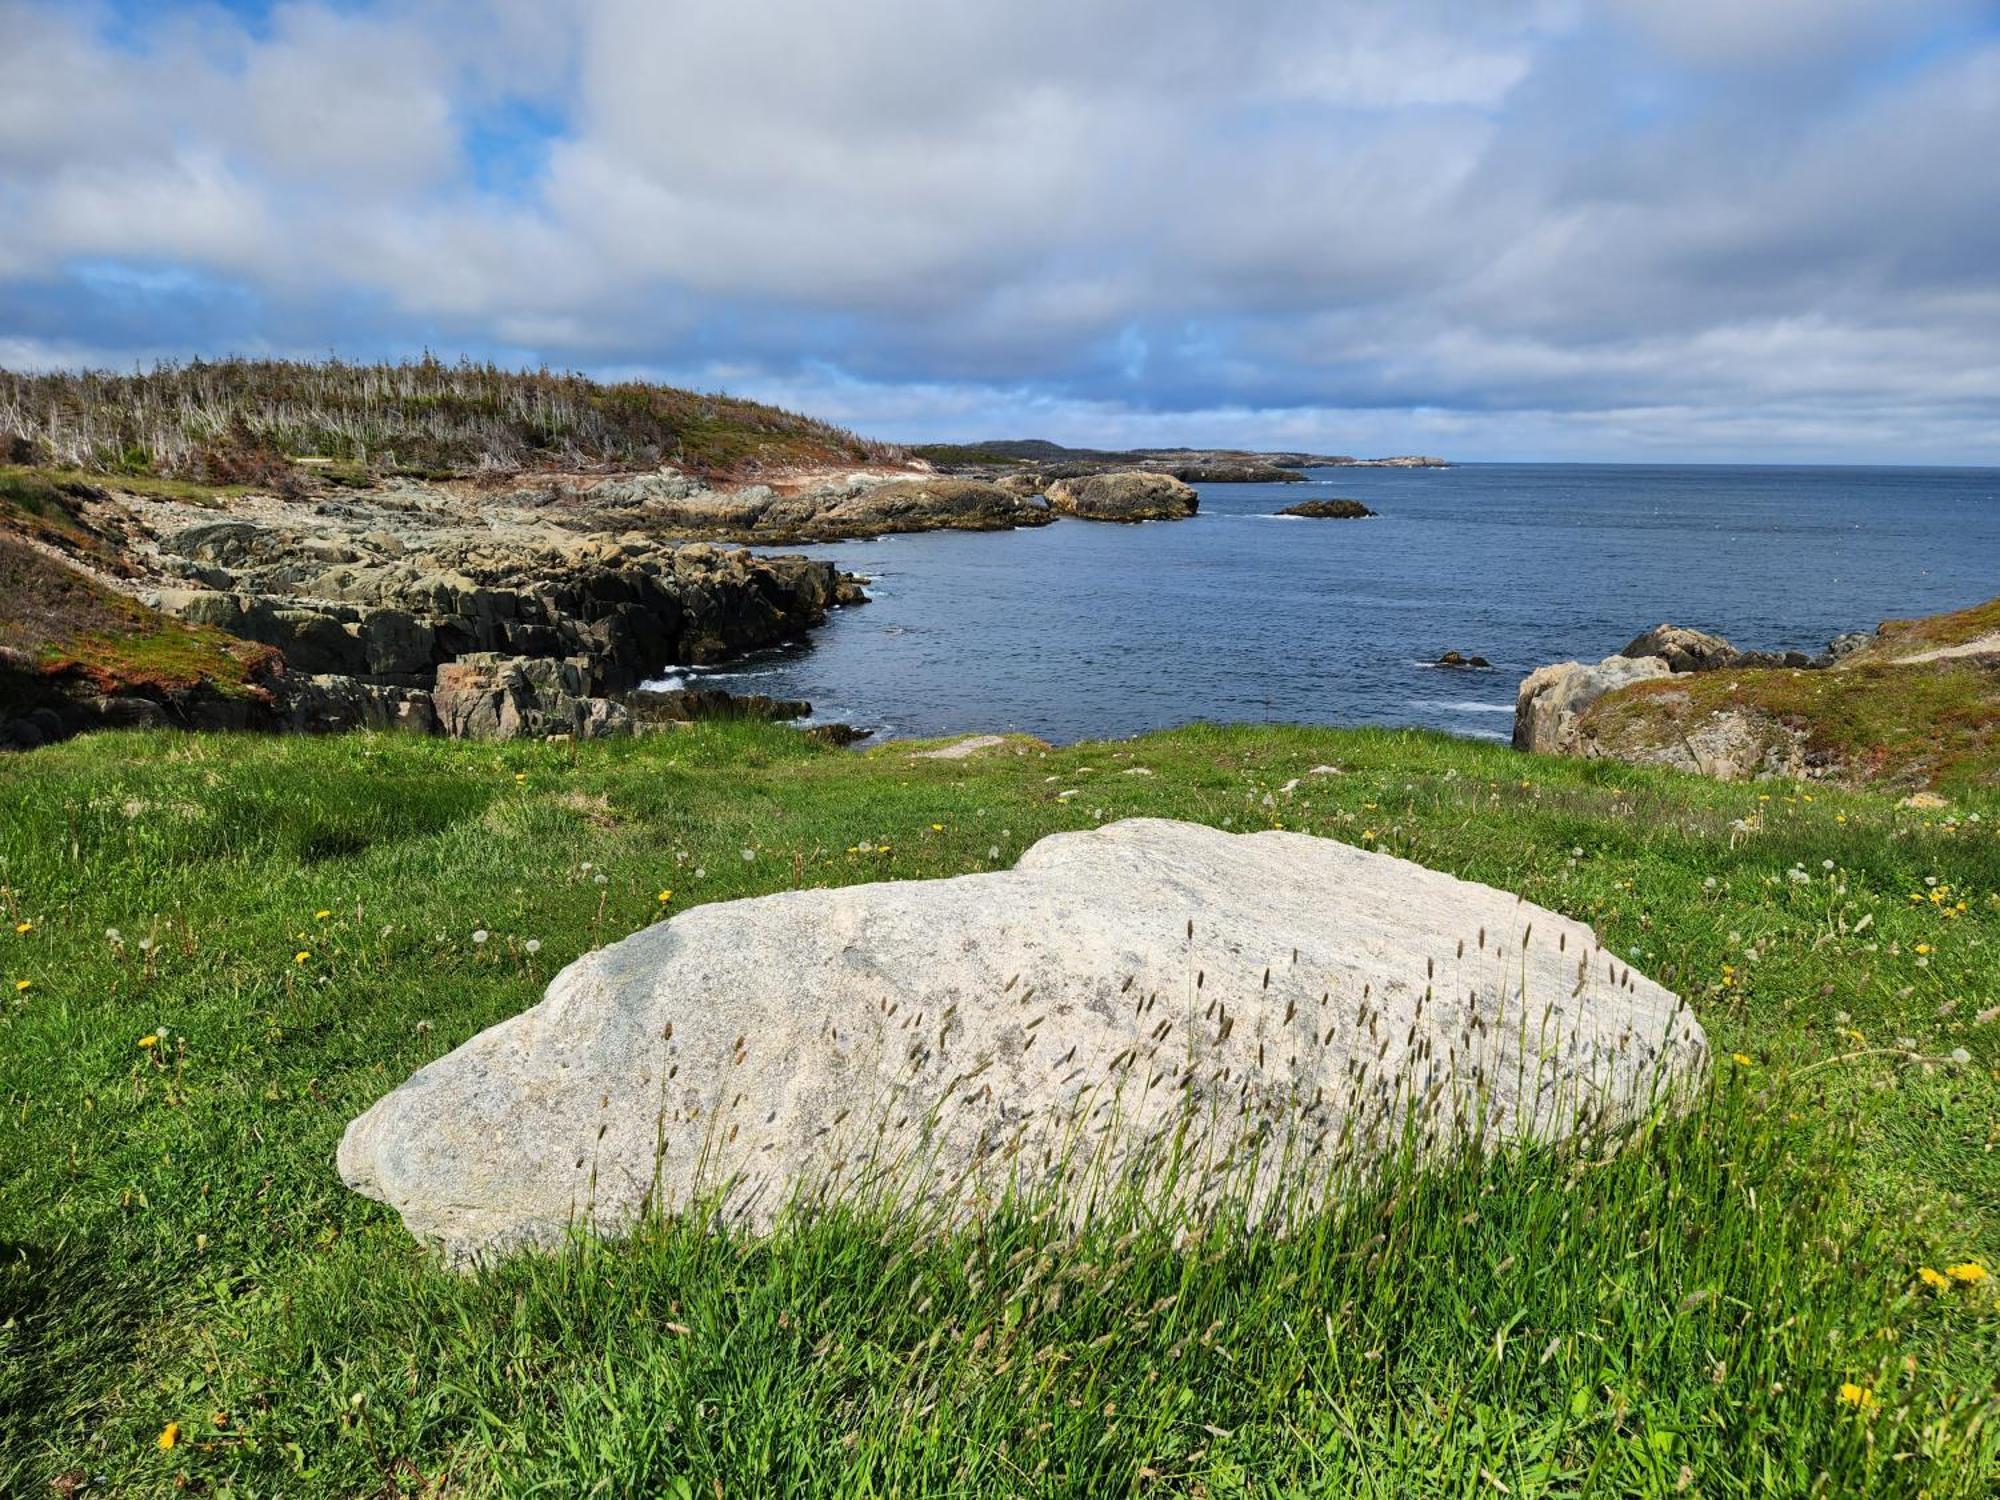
x: 217, y: 950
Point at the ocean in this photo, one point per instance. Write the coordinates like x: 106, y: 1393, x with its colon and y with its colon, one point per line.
x: 1085, y: 630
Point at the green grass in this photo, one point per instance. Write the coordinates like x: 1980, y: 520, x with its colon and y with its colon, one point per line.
x: 1679, y: 1316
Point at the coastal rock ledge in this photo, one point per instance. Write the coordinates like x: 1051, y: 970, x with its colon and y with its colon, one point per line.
x: 938, y: 1040
x: 1131, y: 496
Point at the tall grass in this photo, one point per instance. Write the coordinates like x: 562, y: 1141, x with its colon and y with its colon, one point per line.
x: 240, y: 420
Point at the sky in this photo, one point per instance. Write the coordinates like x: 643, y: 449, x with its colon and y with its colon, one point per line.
x: 1626, y: 230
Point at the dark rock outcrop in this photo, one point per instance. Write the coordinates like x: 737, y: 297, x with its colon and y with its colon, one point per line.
x: 1329, y: 510
x: 686, y: 705
x: 485, y: 696
x: 1683, y: 650
x: 1459, y: 661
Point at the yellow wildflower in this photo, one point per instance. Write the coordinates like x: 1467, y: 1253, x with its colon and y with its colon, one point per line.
x: 1743, y: 1059
x: 665, y: 897
x: 1857, y: 1395
x: 321, y: 915
x: 1936, y: 1280
x: 22, y: 986
x: 301, y: 956
x: 1923, y: 947
x: 1969, y: 1272
x: 24, y: 926
x: 937, y: 828
x: 170, y: 1435
x: 151, y: 1039
x: 520, y: 776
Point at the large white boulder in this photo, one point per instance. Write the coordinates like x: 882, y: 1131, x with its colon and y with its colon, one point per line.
x: 944, y: 1038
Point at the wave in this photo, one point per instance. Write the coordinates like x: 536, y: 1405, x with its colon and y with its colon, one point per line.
x: 1461, y: 706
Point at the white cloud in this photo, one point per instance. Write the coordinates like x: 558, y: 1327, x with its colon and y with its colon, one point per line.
x: 1634, y: 217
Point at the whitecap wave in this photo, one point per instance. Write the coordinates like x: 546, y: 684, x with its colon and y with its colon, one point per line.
x: 1461, y: 706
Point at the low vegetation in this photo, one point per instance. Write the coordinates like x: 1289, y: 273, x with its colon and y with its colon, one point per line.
x: 217, y: 950
x: 70, y: 626
x: 258, y: 421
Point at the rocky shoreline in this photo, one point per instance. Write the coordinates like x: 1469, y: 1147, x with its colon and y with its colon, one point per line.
x: 529, y: 606
x: 426, y: 608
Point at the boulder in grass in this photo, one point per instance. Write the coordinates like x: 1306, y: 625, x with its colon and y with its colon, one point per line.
x: 1549, y: 706
x: 1123, y: 992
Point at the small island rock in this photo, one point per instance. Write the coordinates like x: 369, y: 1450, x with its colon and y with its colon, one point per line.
x: 1329, y: 510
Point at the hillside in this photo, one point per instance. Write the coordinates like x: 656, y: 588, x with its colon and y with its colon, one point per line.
x: 255, y: 421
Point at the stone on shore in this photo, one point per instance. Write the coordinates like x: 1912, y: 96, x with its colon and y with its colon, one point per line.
x: 1131, y: 496
x: 485, y: 696
x: 936, y: 1041
x: 1683, y: 650
x: 1552, y: 699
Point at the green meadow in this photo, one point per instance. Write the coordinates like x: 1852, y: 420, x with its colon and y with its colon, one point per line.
x: 218, y: 950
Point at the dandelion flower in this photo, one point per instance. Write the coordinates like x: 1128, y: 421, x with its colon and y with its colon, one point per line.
x: 22, y: 986
x: 321, y: 915
x: 532, y: 946
x: 1936, y: 1280
x: 1970, y: 1272
x: 665, y: 896
x: 24, y: 927
x: 1743, y: 1059
x: 1857, y: 1395
x: 150, y: 1040
x: 480, y: 935
x: 937, y: 828
x: 1923, y: 947
x: 748, y: 855
x: 520, y: 776
x: 301, y: 956
x: 169, y: 1436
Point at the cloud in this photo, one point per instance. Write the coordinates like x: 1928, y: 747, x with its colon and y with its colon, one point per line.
x: 1578, y: 224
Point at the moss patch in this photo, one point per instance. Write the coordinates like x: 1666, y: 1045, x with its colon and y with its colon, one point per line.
x: 69, y: 623
x: 1931, y: 724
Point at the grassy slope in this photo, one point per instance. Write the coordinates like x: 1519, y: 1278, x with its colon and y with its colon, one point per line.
x: 179, y: 1248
